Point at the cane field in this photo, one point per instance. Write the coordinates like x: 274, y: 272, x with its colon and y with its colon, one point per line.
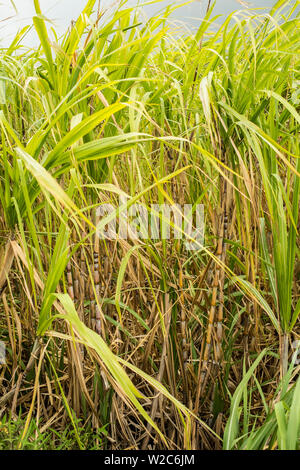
x: 139, y: 343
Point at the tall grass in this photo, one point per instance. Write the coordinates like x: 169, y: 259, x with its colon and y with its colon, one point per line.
x: 154, y: 346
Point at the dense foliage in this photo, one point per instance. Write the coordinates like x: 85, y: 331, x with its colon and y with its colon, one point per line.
x: 140, y: 343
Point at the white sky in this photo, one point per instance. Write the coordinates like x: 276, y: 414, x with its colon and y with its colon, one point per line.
x: 63, y: 11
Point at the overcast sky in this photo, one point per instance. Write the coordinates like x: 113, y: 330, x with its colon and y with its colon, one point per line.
x: 63, y: 11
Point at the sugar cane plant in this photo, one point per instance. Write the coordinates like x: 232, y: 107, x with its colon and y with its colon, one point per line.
x: 143, y: 343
